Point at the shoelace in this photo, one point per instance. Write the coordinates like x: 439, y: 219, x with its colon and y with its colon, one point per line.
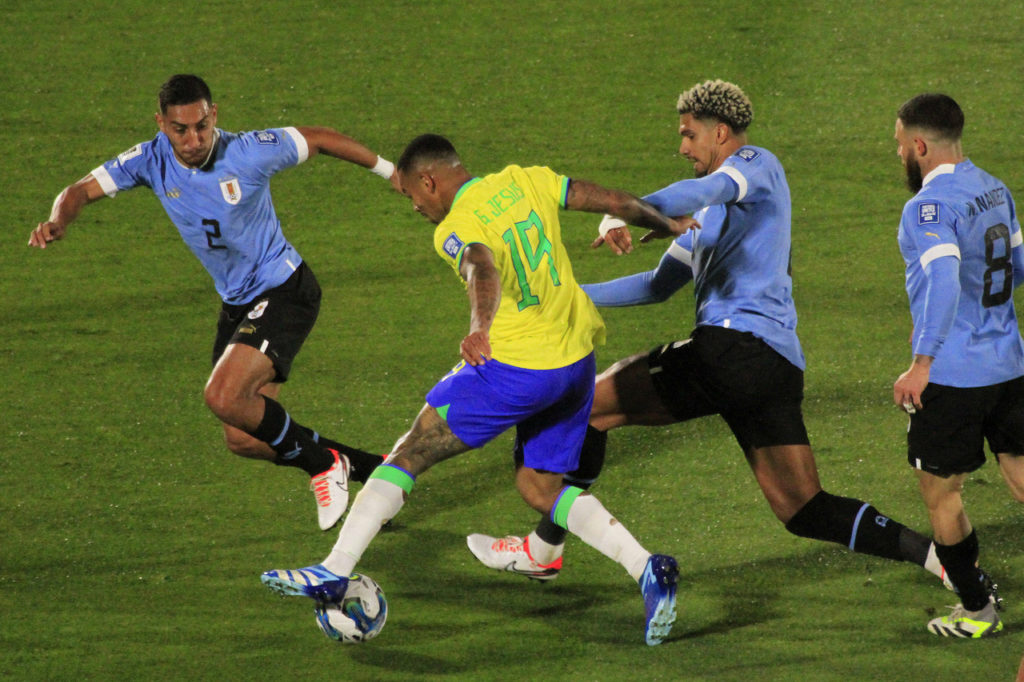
x: 321, y: 487
x: 509, y: 544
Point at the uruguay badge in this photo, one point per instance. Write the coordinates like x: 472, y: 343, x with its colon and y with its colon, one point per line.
x: 231, y: 190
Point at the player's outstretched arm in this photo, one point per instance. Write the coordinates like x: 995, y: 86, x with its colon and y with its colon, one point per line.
x: 329, y: 141
x: 591, y: 197
x: 66, y: 207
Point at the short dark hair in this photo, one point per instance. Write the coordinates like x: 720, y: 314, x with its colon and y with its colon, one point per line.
x: 935, y: 112
x: 427, y: 149
x: 183, y: 88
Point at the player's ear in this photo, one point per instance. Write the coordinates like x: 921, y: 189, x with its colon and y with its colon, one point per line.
x: 920, y: 146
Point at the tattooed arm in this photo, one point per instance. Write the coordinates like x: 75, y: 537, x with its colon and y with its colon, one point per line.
x: 483, y: 284
x: 591, y: 197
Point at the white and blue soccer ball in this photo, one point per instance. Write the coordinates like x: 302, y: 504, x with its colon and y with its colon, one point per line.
x: 359, y: 616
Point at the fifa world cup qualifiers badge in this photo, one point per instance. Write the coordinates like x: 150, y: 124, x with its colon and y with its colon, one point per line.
x: 927, y: 214
x: 452, y: 245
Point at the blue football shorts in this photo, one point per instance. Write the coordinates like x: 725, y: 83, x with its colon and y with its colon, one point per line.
x: 550, y: 408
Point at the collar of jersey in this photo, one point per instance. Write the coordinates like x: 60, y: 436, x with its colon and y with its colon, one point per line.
x: 464, y: 187
x: 941, y: 169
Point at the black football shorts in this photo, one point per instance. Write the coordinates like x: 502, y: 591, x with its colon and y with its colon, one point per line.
x: 737, y: 375
x: 276, y: 322
x: 947, y: 436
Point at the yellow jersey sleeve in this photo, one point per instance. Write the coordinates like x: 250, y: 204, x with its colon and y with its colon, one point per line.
x: 544, y: 320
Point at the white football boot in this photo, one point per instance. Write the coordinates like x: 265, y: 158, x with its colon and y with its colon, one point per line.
x: 511, y: 553
x: 331, y: 491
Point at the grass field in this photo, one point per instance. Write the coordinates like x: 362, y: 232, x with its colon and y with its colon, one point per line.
x: 131, y: 541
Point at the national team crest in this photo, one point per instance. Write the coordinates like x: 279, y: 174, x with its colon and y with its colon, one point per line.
x: 927, y: 213
x: 231, y: 190
x: 257, y: 311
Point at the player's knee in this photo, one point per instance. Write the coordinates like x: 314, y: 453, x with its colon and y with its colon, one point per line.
x: 220, y: 399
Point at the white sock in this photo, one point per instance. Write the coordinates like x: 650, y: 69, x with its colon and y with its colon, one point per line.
x: 376, y: 504
x: 542, y: 552
x: 591, y: 522
x: 932, y: 563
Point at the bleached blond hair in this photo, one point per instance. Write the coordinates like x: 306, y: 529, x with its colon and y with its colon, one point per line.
x: 720, y: 100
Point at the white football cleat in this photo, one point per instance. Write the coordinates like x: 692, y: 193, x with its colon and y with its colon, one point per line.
x: 511, y: 553
x: 968, y: 624
x: 331, y: 491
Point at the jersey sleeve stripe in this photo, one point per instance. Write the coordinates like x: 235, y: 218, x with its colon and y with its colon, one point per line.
x: 106, y: 182
x: 300, y: 143
x: 564, y: 198
x: 737, y: 177
x: 938, y: 252
x: 1016, y: 239
x: 680, y: 254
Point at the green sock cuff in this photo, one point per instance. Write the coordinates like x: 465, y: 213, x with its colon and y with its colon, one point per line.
x: 393, y: 474
x: 560, y: 512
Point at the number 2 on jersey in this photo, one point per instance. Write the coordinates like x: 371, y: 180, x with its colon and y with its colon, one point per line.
x: 213, y: 233
x: 519, y: 246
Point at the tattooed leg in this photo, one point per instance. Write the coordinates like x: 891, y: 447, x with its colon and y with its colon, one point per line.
x: 428, y: 442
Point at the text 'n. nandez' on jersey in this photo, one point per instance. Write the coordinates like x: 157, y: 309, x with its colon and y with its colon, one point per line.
x: 544, y: 320
x: 740, y: 255
x: 966, y: 214
x: 223, y: 210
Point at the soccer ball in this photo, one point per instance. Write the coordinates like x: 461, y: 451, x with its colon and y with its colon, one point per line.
x: 360, y: 614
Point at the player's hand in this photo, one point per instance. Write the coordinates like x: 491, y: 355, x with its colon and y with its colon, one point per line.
x: 46, y: 233
x: 618, y: 239
x: 475, y: 348
x: 907, y: 390
x: 679, y: 226
x: 396, y: 184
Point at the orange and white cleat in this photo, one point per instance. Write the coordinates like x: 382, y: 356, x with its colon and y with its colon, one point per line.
x: 511, y: 553
x: 331, y: 491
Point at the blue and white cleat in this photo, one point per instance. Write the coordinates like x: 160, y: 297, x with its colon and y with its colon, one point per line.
x: 315, y: 582
x: 658, y: 586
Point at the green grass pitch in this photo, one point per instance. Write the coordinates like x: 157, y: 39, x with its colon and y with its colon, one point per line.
x: 131, y: 541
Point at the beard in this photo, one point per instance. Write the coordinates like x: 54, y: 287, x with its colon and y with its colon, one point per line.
x: 915, y: 181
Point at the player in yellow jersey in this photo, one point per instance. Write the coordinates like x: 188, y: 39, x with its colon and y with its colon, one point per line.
x: 527, y: 362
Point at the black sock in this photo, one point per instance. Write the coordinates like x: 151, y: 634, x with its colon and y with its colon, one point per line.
x: 852, y: 523
x: 590, y: 465
x: 959, y: 561
x: 363, y: 463
x: 290, y: 440
x: 914, y: 546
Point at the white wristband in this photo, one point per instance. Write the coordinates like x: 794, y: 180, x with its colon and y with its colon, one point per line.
x: 384, y: 168
x: 609, y: 223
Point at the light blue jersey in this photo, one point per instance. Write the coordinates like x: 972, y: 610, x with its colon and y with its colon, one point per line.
x: 223, y: 210
x: 739, y: 257
x: 961, y: 243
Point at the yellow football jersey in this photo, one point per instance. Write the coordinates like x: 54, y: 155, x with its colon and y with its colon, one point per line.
x: 544, y: 320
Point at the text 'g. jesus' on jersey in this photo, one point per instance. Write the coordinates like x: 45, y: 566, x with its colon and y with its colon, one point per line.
x: 740, y: 255
x: 544, y: 320
x: 961, y: 243
x: 223, y: 210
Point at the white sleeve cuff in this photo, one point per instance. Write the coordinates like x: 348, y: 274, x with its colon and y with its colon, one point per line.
x: 300, y: 143
x: 680, y: 254
x: 738, y: 178
x: 106, y: 182
x: 938, y: 252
